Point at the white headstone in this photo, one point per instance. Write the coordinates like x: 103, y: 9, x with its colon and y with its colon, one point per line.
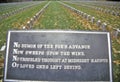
x: 117, y: 13
x: 98, y: 23
x: 3, y: 48
x: 34, y: 17
x: 88, y: 17
x: 79, y: 12
x: 113, y: 12
x: 93, y: 19
x: 117, y: 32
x: 37, y: 15
x: 31, y: 22
x: 85, y: 15
x: 28, y: 24
x: 82, y: 13
x: 104, y: 25
x: 23, y: 27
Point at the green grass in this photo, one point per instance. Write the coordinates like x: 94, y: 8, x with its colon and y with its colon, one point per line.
x: 13, y: 6
x: 57, y: 17
x: 17, y: 21
x: 104, y: 17
x: 99, y: 5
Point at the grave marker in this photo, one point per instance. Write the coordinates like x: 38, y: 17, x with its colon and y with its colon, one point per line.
x: 88, y: 17
x: 104, y: 26
x: 37, y: 15
x: 93, y: 19
x: 29, y: 24
x: 98, y: 23
x: 81, y: 13
x: 31, y: 21
x: 117, y: 14
x: 85, y: 15
x: 113, y: 12
x: 3, y: 48
x: 23, y: 27
x: 34, y: 17
x: 117, y: 31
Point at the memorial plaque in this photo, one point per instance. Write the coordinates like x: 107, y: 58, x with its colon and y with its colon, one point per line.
x: 58, y: 56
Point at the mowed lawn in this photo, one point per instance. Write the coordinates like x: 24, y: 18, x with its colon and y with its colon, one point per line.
x: 56, y: 16
x: 17, y: 21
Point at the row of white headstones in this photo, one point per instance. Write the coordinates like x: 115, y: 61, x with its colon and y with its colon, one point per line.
x: 90, y: 18
x: 108, y: 11
x: 30, y: 23
x: 112, y: 12
x: 86, y: 16
x: 13, y: 12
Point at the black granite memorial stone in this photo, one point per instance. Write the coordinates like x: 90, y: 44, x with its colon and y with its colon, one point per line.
x: 58, y: 56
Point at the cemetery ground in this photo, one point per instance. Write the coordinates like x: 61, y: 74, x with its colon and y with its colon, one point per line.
x: 63, y: 16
